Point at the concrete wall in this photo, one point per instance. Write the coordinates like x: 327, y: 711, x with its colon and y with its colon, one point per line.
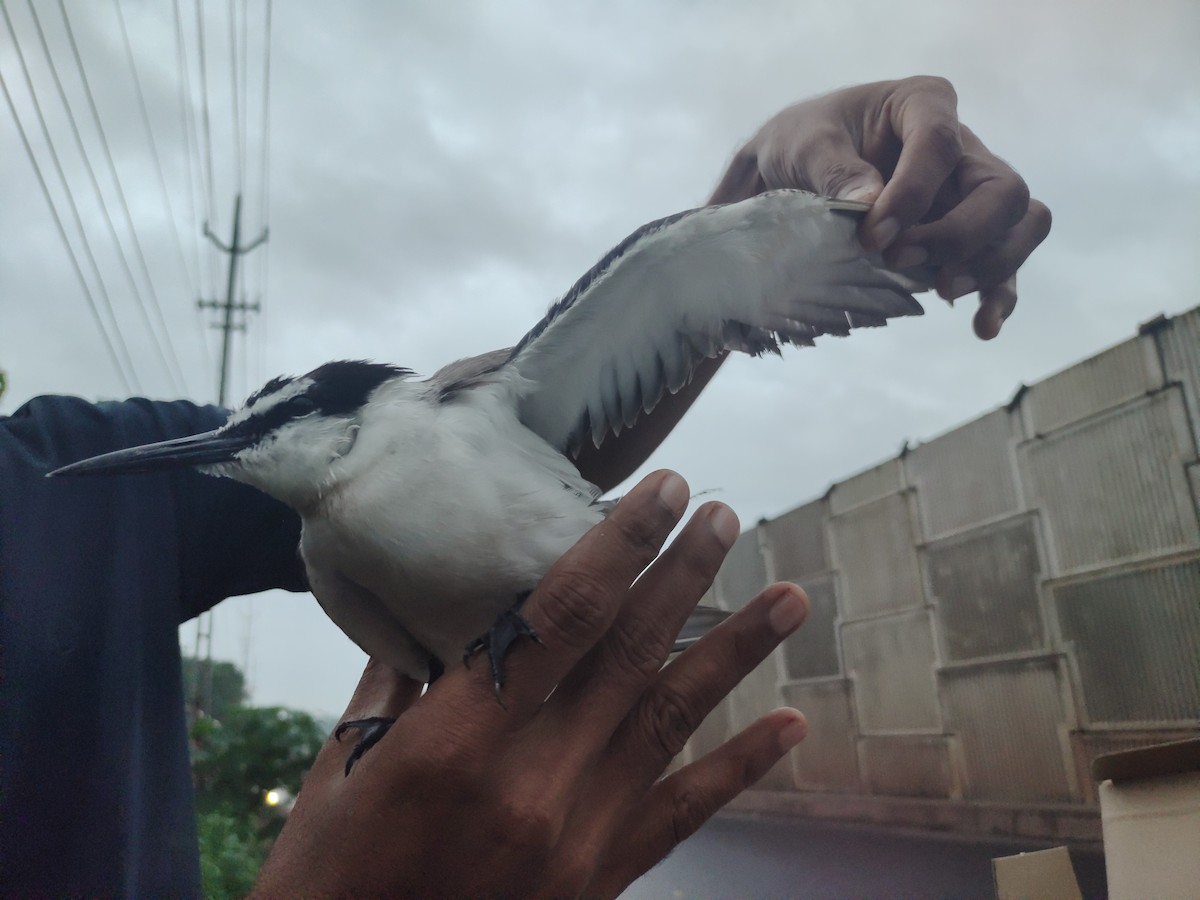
x: 995, y: 607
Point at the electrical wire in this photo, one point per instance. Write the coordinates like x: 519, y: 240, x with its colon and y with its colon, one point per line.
x: 168, y: 207
x: 118, y: 349
x: 163, y: 345
x: 235, y: 92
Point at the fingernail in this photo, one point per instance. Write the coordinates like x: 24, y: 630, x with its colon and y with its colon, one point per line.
x: 787, y: 613
x: 962, y: 285
x: 885, y: 232
x: 907, y: 257
x: 673, y: 492
x: 793, y: 732
x: 862, y: 194
x: 725, y: 526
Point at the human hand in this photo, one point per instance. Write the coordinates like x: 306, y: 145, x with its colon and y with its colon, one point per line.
x: 560, y: 793
x: 941, y: 198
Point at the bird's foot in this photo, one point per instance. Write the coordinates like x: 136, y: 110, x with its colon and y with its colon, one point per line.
x: 370, y: 730
x: 508, y: 627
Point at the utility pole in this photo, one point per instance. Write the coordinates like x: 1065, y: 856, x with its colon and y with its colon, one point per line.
x: 236, y: 251
x: 202, y: 696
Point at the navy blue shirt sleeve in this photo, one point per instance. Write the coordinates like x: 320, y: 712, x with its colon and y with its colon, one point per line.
x: 96, y: 574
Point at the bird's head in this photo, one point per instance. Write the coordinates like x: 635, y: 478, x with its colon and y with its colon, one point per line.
x: 283, y: 441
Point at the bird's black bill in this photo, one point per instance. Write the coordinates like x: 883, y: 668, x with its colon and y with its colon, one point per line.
x: 194, y: 450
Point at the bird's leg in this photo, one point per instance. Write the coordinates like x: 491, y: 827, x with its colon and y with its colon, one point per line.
x: 373, y: 728
x: 509, y: 626
x: 370, y: 730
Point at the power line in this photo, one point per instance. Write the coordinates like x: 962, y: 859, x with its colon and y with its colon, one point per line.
x: 154, y: 152
x: 122, y: 360
x: 193, y: 168
x: 190, y: 140
x: 168, y: 358
x: 264, y: 266
x: 112, y: 352
x: 238, y: 152
x: 208, y: 155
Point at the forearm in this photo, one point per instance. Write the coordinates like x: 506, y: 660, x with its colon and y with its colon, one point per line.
x: 619, y: 457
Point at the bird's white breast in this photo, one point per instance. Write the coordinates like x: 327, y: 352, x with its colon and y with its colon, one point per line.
x: 447, y: 513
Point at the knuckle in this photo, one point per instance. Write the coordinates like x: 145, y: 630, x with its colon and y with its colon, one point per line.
x: 642, y: 535
x: 945, y: 142
x: 688, y: 812
x: 1039, y: 213
x: 574, y: 604
x: 640, y: 647
x: 1013, y: 197
x: 934, y: 84
x: 527, y: 823
x: 669, y: 719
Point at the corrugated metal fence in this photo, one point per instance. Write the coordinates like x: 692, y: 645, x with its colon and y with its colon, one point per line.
x: 995, y: 607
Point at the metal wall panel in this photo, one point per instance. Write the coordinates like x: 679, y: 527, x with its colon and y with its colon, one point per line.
x: 985, y: 591
x: 826, y: 758
x: 873, y: 550
x: 907, y: 766
x: 756, y: 695
x: 1126, y: 371
x: 1008, y: 718
x: 797, y: 542
x: 1181, y: 358
x: 1136, y: 642
x: 812, y: 652
x: 1115, y: 487
x: 965, y: 476
x: 886, y: 478
x: 712, y: 733
x: 891, y: 661
x: 743, y: 574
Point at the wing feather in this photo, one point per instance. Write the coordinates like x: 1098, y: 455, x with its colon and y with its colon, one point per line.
x: 784, y: 267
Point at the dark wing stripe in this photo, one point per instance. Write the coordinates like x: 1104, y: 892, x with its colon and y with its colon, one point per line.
x: 568, y: 299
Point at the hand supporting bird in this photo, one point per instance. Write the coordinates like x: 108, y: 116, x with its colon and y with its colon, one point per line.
x: 561, y: 795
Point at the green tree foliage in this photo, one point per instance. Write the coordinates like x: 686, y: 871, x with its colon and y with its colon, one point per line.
x: 230, y: 855
x: 237, y: 759
x: 238, y: 755
x: 228, y: 684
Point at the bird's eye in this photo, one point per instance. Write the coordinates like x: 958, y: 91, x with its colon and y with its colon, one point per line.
x: 304, y: 405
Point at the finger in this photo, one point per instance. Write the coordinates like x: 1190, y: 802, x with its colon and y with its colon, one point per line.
x: 829, y: 164
x: 381, y: 691
x: 578, y: 599
x: 600, y: 691
x: 923, y: 114
x: 994, y: 199
x: 685, y: 692
x: 995, y: 305
x: 678, y: 805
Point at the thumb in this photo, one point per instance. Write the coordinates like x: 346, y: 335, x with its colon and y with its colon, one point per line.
x: 853, y: 180
x: 834, y: 168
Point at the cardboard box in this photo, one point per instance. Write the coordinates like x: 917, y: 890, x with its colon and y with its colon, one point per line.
x: 1042, y: 875
x: 1150, y: 813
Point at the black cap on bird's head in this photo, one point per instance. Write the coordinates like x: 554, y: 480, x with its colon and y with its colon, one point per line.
x: 335, y: 391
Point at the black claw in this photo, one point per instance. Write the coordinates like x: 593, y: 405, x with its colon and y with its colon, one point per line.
x: 370, y: 731
x: 508, y: 627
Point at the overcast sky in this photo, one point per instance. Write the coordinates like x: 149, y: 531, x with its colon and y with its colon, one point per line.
x: 438, y: 172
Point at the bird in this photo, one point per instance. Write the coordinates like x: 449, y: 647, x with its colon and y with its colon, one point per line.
x: 432, y: 507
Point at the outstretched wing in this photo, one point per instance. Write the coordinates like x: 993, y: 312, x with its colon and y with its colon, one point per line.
x: 782, y: 267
